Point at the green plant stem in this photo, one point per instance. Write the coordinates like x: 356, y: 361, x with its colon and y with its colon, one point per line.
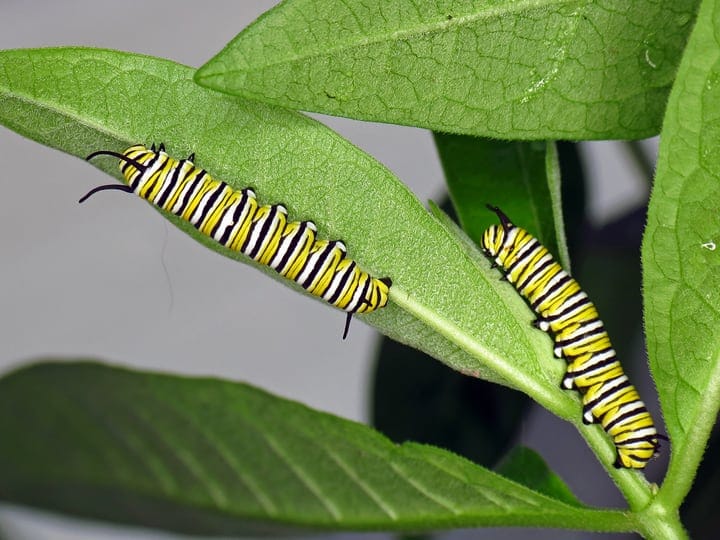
x: 657, y: 522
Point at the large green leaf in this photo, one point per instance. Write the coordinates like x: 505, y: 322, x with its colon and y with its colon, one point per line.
x: 80, y: 100
x: 681, y: 259
x: 550, y: 69
x: 212, y: 457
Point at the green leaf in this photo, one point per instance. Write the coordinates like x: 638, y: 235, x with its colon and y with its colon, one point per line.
x: 522, y: 178
x: 204, y: 456
x: 553, y: 69
x: 81, y: 100
x: 453, y: 229
x: 525, y: 466
x: 681, y: 259
x: 414, y: 398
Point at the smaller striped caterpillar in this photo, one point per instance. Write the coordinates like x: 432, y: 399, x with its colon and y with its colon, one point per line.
x: 565, y: 311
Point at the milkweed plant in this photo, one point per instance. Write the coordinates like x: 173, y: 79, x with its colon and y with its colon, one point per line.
x: 507, y: 89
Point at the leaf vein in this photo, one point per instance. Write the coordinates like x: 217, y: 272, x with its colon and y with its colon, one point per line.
x: 374, y: 496
x: 304, y: 478
x: 227, y: 456
x: 436, y: 498
x: 214, y: 491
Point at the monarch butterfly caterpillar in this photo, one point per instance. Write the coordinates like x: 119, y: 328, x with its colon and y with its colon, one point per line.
x: 263, y: 233
x: 565, y: 311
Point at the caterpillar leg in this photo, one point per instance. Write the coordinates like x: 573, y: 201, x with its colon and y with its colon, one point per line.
x: 541, y: 323
x: 588, y: 417
x: 568, y: 382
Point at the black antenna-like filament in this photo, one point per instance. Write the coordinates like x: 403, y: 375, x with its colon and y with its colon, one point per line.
x: 119, y: 187
x: 139, y: 166
x: 388, y: 282
x: 106, y: 187
x: 506, y: 223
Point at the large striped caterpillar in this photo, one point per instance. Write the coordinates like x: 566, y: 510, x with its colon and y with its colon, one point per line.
x: 262, y: 232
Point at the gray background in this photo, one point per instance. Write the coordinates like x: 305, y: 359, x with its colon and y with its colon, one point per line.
x: 111, y: 280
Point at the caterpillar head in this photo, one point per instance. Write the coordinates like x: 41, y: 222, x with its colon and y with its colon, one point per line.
x: 494, y: 236
x: 126, y: 163
x: 132, y: 165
